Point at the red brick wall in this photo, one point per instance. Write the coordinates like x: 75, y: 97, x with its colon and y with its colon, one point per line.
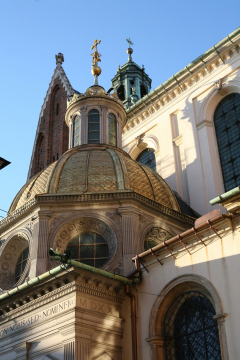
x: 53, y: 133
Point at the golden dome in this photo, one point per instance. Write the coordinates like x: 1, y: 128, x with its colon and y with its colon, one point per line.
x: 96, y: 169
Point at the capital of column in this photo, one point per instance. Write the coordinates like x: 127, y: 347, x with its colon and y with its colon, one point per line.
x: 44, y: 214
x: 128, y: 211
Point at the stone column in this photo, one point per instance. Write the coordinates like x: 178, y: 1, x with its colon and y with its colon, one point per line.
x: 83, y: 126
x: 130, y: 236
x: 40, y: 244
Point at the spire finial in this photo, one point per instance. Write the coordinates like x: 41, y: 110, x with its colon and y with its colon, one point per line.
x: 129, y: 50
x: 59, y: 59
x: 96, y: 70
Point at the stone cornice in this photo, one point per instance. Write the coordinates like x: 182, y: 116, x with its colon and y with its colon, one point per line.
x: 52, y: 200
x: 78, y: 281
x: 185, y: 79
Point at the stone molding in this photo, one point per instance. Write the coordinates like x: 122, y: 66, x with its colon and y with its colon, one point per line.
x: 204, y: 124
x: 178, y: 140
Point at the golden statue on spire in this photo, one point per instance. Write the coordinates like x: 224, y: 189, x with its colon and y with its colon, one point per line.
x: 95, y: 55
x: 96, y: 70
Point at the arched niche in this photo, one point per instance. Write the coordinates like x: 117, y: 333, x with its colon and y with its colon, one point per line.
x: 12, y: 249
x: 166, y: 297
x: 78, y: 226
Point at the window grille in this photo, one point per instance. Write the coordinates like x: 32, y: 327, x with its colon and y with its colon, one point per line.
x: 21, y: 264
x: 147, y: 157
x: 112, y: 130
x: 89, y: 248
x: 190, y: 331
x: 76, y: 124
x: 227, y: 125
x: 93, y: 127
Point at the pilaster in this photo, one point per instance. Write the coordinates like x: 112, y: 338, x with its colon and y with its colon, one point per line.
x: 130, y: 235
x: 40, y: 244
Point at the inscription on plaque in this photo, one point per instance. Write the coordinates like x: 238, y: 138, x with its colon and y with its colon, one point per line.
x: 97, y: 306
x: 40, y: 316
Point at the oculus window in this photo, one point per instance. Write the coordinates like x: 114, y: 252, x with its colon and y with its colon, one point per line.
x: 21, y: 264
x: 190, y: 331
x: 89, y: 248
x: 227, y: 126
x: 147, y: 157
x: 93, y: 127
x: 112, y: 130
x: 76, y: 124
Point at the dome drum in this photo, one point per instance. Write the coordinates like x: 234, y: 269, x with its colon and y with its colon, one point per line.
x: 105, y: 105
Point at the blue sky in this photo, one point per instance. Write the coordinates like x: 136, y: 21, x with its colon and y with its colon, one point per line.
x: 167, y: 35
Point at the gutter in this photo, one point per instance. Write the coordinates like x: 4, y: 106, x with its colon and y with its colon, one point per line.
x: 57, y: 270
x: 133, y: 321
x: 227, y: 195
x: 179, y: 238
x: 186, y: 70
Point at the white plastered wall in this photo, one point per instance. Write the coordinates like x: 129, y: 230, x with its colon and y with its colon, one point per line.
x: 195, y: 110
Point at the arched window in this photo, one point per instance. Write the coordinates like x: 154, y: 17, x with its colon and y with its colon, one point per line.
x: 143, y: 90
x: 227, y: 125
x: 121, y: 92
x: 112, y: 130
x: 147, y: 157
x: 93, y: 127
x: 89, y: 248
x: 190, y: 331
x: 21, y: 264
x: 76, y: 124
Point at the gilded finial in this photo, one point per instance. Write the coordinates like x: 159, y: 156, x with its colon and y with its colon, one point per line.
x: 96, y: 70
x: 129, y: 50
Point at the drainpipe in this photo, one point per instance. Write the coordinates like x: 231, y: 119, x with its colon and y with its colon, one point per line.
x: 133, y: 321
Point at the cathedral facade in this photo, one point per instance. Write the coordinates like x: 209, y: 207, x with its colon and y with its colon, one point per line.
x: 141, y: 265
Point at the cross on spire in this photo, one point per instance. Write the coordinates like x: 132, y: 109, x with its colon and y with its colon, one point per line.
x: 129, y: 42
x: 96, y: 43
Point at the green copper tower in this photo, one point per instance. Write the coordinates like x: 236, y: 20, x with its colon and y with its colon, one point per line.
x: 131, y: 82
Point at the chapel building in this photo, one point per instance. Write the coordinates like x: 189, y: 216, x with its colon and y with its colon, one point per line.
x: 141, y: 265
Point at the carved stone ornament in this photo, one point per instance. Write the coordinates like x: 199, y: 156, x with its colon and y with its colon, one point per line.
x: 8, y: 259
x: 156, y: 236
x: 143, y: 220
x: 57, y: 219
x: 113, y: 215
x: 82, y: 226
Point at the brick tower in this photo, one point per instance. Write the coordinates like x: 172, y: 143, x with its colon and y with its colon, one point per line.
x: 52, y: 133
